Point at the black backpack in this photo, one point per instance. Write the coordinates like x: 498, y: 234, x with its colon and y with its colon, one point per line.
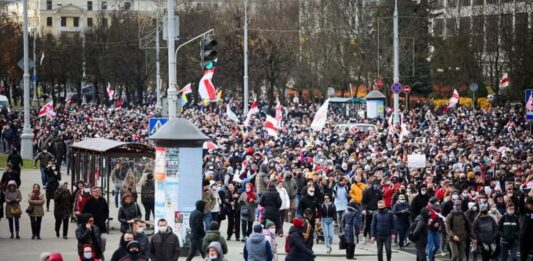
x: 411, y: 234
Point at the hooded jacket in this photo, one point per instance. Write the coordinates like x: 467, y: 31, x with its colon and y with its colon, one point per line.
x: 218, y: 248
x: 257, y: 248
x: 299, y: 251
x: 121, y: 250
x: 128, y: 212
x: 165, y: 246
x: 196, y: 221
x: 271, y: 202
x: 351, y: 220
x: 214, y: 236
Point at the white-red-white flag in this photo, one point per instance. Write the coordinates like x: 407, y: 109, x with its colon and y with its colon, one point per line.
x: 206, y: 89
x: 319, y: 121
x: 454, y: 99
x: 208, y: 145
x: 529, y: 103
x: 187, y: 89
x: 504, y: 81
x: 271, y: 126
x: 253, y: 110
x: 231, y: 115
x: 279, y: 112
x: 110, y: 92
x: 47, y: 110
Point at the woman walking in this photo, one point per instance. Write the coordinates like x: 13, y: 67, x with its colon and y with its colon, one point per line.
x: 285, y: 205
x: 248, y: 202
x: 52, y: 183
x: 128, y: 185
x: 233, y: 211
x: 328, y: 213
x: 13, y: 211
x: 128, y: 212
x: 35, y: 211
x: 62, y: 208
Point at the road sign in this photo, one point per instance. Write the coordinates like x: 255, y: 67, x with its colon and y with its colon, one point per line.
x: 155, y: 124
x: 396, y: 87
x: 379, y: 83
x: 176, y: 28
x: 406, y: 89
x: 473, y: 87
x: 529, y: 105
x: 21, y: 64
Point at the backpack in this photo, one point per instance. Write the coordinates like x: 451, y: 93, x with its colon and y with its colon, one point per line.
x: 411, y: 234
x: 288, y: 244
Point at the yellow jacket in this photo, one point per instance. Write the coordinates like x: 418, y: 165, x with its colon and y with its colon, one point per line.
x: 356, y: 192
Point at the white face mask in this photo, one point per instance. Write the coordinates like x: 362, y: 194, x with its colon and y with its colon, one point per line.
x: 401, y: 200
x: 272, y: 230
x: 215, y: 256
x: 140, y: 230
x: 455, y: 197
x: 163, y: 229
x: 311, y: 193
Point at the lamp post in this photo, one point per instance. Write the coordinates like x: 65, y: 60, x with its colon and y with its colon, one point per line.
x: 172, y: 92
x: 27, y: 132
x: 245, y: 39
x: 396, y: 71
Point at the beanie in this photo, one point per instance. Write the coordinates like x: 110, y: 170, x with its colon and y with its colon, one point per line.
x: 298, y: 223
x: 258, y: 228
x: 269, y: 223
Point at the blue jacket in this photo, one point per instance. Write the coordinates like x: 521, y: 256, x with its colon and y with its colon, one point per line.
x: 383, y: 224
x: 351, y: 220
x: 402, y: 218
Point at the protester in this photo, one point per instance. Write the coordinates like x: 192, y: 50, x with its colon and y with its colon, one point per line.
x: 233, y: 212
x: 62, y: 209
x: 509, y: 231
x: 214, y: 252
x: 271, y: 203
x: 210, y: 201
x: 458, y: 229
x: 165, y: 245
x: 8, y: 176
x: 36, y: 211
x: 97, y: 206
x: 13, y: 211
x: 134, y: 252
x: 383, y: 230
x: 148, y: 196
x: 196, y: 223
x: 128, y: 212
x: 44, y: 157
x: 402, y: 211
x: 212, y: 235
x: 117, y: 176
x: 122, y: 251
x: 248, y: 203
x: 257, y: 247
x: 341, y: 199
x: 298, y: 248
x: 139, y: 236
x: 51, y: 257
x: 328, y: 214
x: 421, y: 234
x: 270, y: 234
x: 526, y: 228
x: 88, y: 235
x: 351, y: 219
x: 290, y: 185
x: 87, y: 253
x: 285, y: 205
x: 369, y: 203
x: 52, y: 182
x: 485, y: 230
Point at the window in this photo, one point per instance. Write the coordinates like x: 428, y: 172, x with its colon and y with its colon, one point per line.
x: 478, y: 35
x: 127, y: 6
x: 465, y: 2
x: 49, y: 21
x: 90, y: 22
x: 104, y: 6
x: 63, y: 21
x: 464, y: 25
x: 49, y: 5
x: 452, y: 3
x: 492, y: 32
x: 478, y: 2
x: 438, y: 27
x: 76, y: 21
x: 451, y: 25
x: 521, y: 24
x: 89, y: 5
x: 492, y: 1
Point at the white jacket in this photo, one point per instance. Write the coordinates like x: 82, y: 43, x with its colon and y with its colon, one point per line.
x: 285, y: 201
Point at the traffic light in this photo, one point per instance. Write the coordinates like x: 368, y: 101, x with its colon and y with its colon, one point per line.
x: 208, y: 53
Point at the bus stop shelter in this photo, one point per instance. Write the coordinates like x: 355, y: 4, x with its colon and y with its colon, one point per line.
x: 92, y: 159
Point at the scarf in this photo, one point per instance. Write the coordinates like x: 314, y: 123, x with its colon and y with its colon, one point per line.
x: 251, y: 195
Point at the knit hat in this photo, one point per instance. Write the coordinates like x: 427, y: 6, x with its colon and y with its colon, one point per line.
x: 55, y: 257
x: 298, y: 222
x: 470, y: 175
x: 269, y: 223
x: 258, y: 228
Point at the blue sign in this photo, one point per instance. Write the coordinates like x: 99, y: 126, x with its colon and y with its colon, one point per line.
x: 155, y: 124
x: 396, y: 87
x: 529, y: 105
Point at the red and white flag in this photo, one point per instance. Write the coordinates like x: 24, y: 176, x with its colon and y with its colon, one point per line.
x: 206, y: 89
x: 210, y: 146
x: 504, y: 81
x: 47, y: 110
x: 110, y: 92
x: 319, y: 121
x: 187, y: 89
x: 529, y: 103
x: 253, y: 110
x: 231, y: 115
x: 279, y: 112
x: 454, y: 99
x: 271, y: 125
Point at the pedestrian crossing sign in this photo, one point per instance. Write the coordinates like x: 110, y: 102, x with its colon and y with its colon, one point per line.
x: 155, y: 124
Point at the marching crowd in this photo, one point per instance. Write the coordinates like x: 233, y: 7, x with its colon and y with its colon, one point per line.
x: 471, y: 199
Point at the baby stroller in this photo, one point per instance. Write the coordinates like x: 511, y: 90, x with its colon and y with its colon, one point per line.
x: 319, y: 232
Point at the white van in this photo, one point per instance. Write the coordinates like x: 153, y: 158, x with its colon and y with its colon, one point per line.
x: 4, y: 103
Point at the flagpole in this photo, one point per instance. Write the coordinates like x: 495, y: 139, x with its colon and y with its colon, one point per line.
x: 396, y: 72
x: 27, y: 132
x: 245, y: 39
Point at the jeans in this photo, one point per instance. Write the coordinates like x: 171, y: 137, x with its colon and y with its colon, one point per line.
x: 402, y: 233
x: 43, y: 176
x: 196, y: 246
x: 13, y: 221
x: 65, y: 226
x: 433, y: 244
x: 505, y: 248
x: 118, y: 191
x: 339, y: 220
x: 246, y: 228
x: 387, y: 243
x: 207, y: 220
x: 148, y: 211
x: 327, y: 228
x: 35, y: 225
x: 298, y: 198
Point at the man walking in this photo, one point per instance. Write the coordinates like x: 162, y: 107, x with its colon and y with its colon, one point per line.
x: 383, y: 230
x: 165, y: 245
x: 257, y: 247
x: 196, y: 223
x: 98, y: 207
x: 458, y: 229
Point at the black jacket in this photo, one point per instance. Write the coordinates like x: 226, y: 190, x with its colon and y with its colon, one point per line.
x: 89, y: 236
x: 271, y: 202
x: 421, y: 230
x: 509, y: 228
x: 419, y: 202
x: 328, y: 211
x: 164, y: 247
x: 526, y: 225
x: 299, y: 251
x: 371, y: 198
x: 308, y: 202
x: 196, y: 221
x: 121, y: 250
x: 100, y: 210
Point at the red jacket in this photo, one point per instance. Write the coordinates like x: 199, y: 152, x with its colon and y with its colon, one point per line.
x: 388, y: 192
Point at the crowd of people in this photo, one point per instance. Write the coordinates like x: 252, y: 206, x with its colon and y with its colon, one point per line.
x: 472, y: 198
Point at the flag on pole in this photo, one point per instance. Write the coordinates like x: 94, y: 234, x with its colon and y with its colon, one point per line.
x: 319, y: 121
x: 187, y: 89
x: 219, y: 95
x: 47, y: 110
x: 231, y: 115
x: 210, y: 146
x: 271, y: 125
x: 504, y: 81
x: 529, y: 103
x: 110, y: 92
x: 253, y: 110
x: 454, y: 99
x: 184, y: 99
x: 42, y: 59
x: 279, y: 112
x: 206, y: 89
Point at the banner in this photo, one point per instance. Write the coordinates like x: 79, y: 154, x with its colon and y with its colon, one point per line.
x: 416, y: 161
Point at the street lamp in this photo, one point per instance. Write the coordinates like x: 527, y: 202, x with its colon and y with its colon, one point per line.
x: 27, y: 132
x: 245, y: 39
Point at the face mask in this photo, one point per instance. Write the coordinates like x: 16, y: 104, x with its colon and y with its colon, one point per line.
x: 484, y: 200
x: 408, y: 191
x: 493, y: 210
x: 248, y: 190
x: 402, y: 200
x: 455, y: 197
x: 215, y: 256
x: 510, y: 212
x: 140, y: 230
x: 457, y: 208
x: 423, y: 192
x: 272, y: 230
x: 510, y: 194
x: 311, y: 193
x: 87, y: 255
x: 474, y: 208
x: 465, y: 195
x: 163, y: 229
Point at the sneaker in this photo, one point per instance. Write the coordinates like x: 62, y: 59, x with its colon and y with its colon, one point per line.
x: 228, y: 238
x: 329, y: 250
x: 443, y: 254
x: 407, y: 243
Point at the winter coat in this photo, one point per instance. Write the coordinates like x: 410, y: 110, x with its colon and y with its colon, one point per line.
x: 328, y: 211
x: 212, y: 236
x: 509, y: 229
x: 257, y: 248
x: 261, y: 180
x: 309, y: 202
x: 292, y: 188
x: 271, y: 238
x: 351, y: 220
x: 271, y: 202
x: 209, y: 198
x: 285, y: 200
x: 52, y: 182
x: 371, y: 197
x: 247, y: 208
x: 196, y: 221
x: 100, y: 211
x: 128, y: 212
x: 36, y: 205
x: 402, y: 212
x: 526, y: 225
x: 457, y: 224
x: 137, y: 258
x: 121, y: 250
x: 417, y: 204
x: 164, y: 247
x: 148, y: 192
x: 356, y: 192
x: 299, y: 251
x: 421, y: 230
x: 12, y: 199
x: 342, y: 197
x: 485, y: 229
x: 62, y: 204
x: 8, y: 176
x: 218, y: 248
x: 89, y: 236
x: 383, y: 224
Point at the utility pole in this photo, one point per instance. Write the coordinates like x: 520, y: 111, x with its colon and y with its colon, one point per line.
x: 245, y: 78
x: 172, y: 91
x: 396, y: 72
x: 34, y: 68
x: 27, y: 132
x: 157, y: 64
